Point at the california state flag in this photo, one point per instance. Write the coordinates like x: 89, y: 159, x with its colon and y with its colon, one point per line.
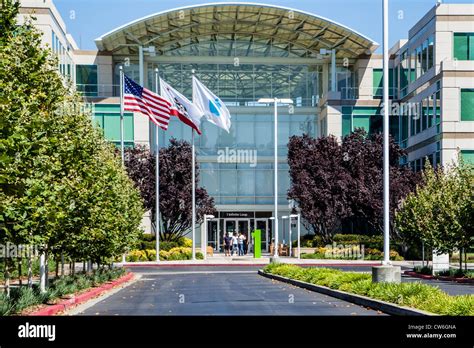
x: 181, y: 107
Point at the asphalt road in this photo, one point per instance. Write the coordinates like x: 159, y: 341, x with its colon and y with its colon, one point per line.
x: 217, y: 291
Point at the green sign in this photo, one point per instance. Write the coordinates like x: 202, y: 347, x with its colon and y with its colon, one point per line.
x: 257, y: 243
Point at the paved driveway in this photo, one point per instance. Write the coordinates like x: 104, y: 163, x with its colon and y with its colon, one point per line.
x: 234, y: 291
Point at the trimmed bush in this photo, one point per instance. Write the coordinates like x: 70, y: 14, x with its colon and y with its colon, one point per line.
x: 413, y: 294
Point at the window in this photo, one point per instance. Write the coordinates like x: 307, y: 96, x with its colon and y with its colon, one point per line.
x: 419, y: 62
x: 430, y: 52
x: 467, y: 104
x: 424, y: 57
x: 438, y: 108
x: 377, y: 78
x: 413, y: 66
x: 463, y: 46
x: 86, y: 79
x: 468, y: 156
x: 107, y: 117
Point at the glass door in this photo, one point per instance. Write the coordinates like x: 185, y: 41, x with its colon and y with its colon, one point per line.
x: 262, y: 225
x: 243, y: 226
x: 212, y: 235
x: 230, y: 226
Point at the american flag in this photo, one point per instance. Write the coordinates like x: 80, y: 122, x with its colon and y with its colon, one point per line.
x: 139, y: 99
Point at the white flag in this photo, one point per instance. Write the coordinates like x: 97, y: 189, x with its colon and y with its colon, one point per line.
x: 214, y: 109
x: 186, y: 111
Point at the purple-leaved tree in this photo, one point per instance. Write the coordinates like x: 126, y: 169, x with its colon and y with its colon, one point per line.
x: 175, y: 186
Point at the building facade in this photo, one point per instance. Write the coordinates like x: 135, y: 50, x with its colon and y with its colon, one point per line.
x: 244, y: 52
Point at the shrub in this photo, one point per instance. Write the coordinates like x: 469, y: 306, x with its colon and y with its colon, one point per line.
x: 24, y: 297
x: 412, y: 294
x: 151, y: 254
x: 423, y: 270
x: 137, y: 255
x: 167, y: 246
x: 6, y: 306
x: 185, y: 242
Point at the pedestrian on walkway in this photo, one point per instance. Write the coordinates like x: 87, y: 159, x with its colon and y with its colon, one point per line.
x: 240, y: 240
x: 227, y: 244
x: 234, y: 244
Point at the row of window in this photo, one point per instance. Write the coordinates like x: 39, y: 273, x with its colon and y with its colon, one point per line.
x: 424, y: 114
x: 435, y: 159
x: 420, y: 164
x: 65, y: 63
x: 415, y: 63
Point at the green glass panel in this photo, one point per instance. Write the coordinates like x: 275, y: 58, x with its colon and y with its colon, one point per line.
x: 468, y: 156
x: 394, y: 127
x: 346, y: 124
x: 86, y: 79
x: 471, y: 46
x: 361, y: 122
x: 366, y: 110
x: 404, y: 122
x: 461, y: 46
x: 378, y: 82
x: 467, y: 104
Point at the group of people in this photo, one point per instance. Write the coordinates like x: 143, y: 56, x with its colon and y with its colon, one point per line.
x: 235, y: 243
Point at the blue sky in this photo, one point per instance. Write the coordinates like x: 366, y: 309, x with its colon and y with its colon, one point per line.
x: 88, y: 19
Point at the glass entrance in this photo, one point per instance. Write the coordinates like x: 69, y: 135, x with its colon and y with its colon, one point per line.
x: 212, y: 234
x: 262, y: 225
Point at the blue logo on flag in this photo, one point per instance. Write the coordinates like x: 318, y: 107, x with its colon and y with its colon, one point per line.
x: 215, y: 106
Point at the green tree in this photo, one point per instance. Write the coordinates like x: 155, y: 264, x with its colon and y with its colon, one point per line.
x: 61, y: 185
x: 439, y: 212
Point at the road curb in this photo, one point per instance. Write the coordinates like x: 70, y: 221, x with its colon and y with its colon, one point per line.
x: 364, y: 301
x: 64, y: 305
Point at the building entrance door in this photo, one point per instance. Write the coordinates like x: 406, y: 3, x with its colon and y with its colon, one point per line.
x: 238, y: 226
x: 262, y: 224
x: 213, y: 234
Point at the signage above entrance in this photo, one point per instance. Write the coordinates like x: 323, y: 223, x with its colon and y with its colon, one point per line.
x: 236, y: 214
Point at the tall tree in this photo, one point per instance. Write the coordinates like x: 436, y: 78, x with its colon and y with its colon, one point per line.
x: 440, y: 211
x: 319, y: 183
x: 363, y: 159
x: 175, y: 186
x: 61, y: 186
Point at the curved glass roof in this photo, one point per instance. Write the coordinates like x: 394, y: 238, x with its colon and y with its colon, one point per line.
x: 236, y: 29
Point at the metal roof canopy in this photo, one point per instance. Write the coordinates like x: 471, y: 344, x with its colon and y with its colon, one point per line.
x: 301, y: 33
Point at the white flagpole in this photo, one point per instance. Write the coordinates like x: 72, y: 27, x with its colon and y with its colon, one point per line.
x: 194, y: 198
x: 121, y: 115
x: 193, y: 171
x: 386, y: 178
x: 157, y: 176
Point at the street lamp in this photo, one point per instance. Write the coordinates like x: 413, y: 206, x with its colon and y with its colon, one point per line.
x: 275, y: 101
x: 204, y: 235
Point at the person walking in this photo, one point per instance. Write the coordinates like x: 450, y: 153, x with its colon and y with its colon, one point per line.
x: 245, y: 244
x: 241, y: 244
x: 227, y: 244
x: 234, y: 243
